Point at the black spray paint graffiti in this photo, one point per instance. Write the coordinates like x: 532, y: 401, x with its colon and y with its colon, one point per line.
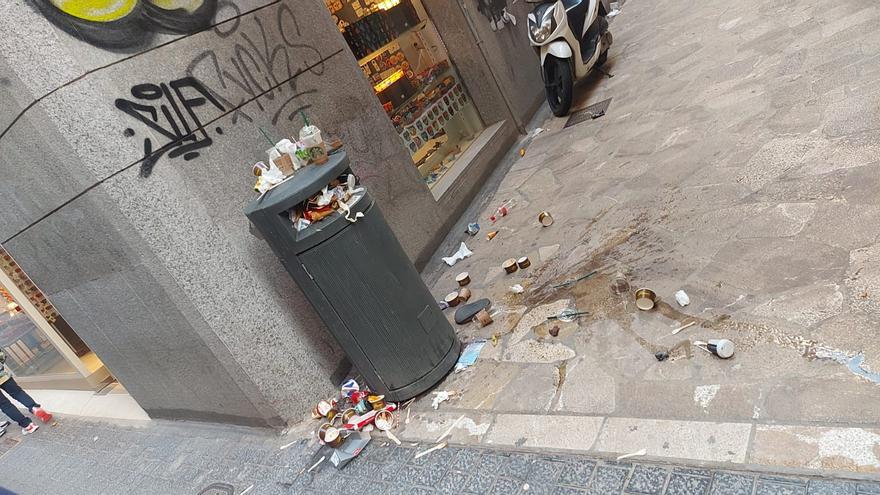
x: 170, y: 111
x: 121, y: 24
x: 496, y: 12
x: 260, y: 65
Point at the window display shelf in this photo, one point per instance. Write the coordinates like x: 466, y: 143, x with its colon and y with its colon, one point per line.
x: 375, y: 53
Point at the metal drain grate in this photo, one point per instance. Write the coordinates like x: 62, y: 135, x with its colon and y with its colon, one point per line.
x: 218, y: 489
x: 591, y: 112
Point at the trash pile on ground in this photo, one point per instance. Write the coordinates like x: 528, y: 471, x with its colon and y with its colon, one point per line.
x: 349, y: 420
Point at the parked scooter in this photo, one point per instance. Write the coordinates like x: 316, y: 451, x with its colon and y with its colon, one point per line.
x: 572, y: 37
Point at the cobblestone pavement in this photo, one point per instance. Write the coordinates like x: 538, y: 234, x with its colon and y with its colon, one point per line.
x: 160, y: 457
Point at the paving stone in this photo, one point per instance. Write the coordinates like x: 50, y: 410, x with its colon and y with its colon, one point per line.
x: 779, y: 488
x: 479, y: 483
x: 607, y: 480
x: 505, y: 486
x: 544, y: 472
x: 452, y: 482
x: 732, y: 484
x: 868, y: 488
x: 823, y: 487
x: 649, y: 480
x: 576, y: 473
x: 516, y: 466
x: 681, y: 484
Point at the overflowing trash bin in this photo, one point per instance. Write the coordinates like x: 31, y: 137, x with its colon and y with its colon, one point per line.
x: 331, y: 237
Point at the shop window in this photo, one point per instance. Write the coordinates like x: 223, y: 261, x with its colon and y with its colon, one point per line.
x: 401, y: 54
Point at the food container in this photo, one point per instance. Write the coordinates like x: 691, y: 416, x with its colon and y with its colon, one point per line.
x: 452, y: 299
x: 645, y: 299
x: 545, y: 219
x: 377, y: 402
x: 384, y: 420
x: 464, y: 294
x: 509, y: 266
x: 523, y: 262
x: 310, y: 137
x: 463, y: 279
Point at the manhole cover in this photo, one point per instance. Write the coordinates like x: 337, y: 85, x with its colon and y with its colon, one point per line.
x: 591, y: 112
x: 218, y: 489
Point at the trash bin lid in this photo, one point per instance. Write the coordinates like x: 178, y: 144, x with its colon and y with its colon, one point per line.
x: 306, y: 183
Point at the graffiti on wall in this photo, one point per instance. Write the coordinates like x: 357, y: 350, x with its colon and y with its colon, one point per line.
x: 248, y: 69
x: 170, y: 111
x: 121, y: 24
x: 259, y: 63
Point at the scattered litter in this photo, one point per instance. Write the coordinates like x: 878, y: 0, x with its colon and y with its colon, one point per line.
x: 509, y: 266
x: 536, y: 131
x: 443, y: 305
x: 463, y: 279
x: 432, y: 449
x: 634, y: 454
x: 247, y: 490
x: 517, y: 289
x: 315, y: 465
x: 467, y: 312
x: 441, y: 396
x: 462, y: 253
x: 392, y: 437
x: 662, y: 356
x: 349, y: 387
x: 569, y: 283
x: 523, y: 263
x: 619, y: 285
x: 473, y: 228
x: 494, y: 340
x: 722, y: 348
x: 682, y: 298
x: 674, y: 332
x: 469, y: 355
x: 407, y: 416
x: 525, y: 487
x: 545, y: 219
x: 464, y: 294
x: 554, y: 331
x: 452, y: 299
x: 350, y: 449
x: 288, y: 445
x: 503, y: 210
x: 449, y: 430
x: 522, y: 152
x: 645, y: 299
x: 483, y: 318
x: 855, y: 363
x: 568, y: 315
x: 491, y: 235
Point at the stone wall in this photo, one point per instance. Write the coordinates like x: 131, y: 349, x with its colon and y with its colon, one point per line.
x: 134, y: 227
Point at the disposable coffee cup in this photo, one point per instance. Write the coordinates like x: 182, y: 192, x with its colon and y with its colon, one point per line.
x: 722, y: 348
x: 310, y: 137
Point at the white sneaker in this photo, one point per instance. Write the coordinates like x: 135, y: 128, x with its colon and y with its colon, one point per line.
x: 30, y: 429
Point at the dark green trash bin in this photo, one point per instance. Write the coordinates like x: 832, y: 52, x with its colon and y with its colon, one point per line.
x: 362, y: 284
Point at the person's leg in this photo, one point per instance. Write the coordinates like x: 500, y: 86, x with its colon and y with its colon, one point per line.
x: 14, y: 391
x: 11, y: 387
x: 13, y: 412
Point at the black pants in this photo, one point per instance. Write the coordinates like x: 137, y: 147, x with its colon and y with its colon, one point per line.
x: 14, y: 391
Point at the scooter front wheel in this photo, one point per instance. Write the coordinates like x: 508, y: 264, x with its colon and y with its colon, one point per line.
x: 558, y: 84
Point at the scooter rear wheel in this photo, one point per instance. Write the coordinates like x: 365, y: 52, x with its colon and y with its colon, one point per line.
x: 558, y: 84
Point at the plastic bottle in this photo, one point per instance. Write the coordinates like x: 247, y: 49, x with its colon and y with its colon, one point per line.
x: 503, y: 210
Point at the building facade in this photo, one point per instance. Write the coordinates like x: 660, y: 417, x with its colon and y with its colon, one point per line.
x: 127, y: 138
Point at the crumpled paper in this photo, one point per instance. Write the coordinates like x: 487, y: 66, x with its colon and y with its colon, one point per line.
x: 462, y: 253
x: 269, y: 178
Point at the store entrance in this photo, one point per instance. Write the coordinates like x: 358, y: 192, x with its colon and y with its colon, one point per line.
x: 401, y: 54
x: 41, y: 348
